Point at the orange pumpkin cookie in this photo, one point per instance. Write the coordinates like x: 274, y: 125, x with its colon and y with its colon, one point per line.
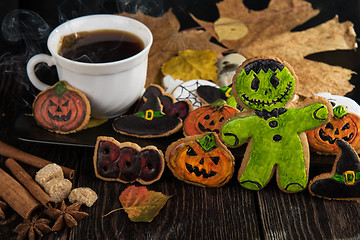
x: 343, y: 125
x: 201, y: 160
x: 207, y: 118
x: 127, y: 162
x: 62, y: 109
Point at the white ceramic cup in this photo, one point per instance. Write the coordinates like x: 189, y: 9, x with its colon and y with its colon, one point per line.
x: 113, y: 87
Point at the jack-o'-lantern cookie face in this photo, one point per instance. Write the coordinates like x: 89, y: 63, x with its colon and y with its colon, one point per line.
x: 343, y: 125
x: 62, y: 109
x: 264, y: 84
x: 201, y: 160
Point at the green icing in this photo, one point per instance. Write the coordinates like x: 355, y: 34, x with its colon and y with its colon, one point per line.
x: 231, y: 101
x: 267, y: 151
x: 207, y: 142
x: 156, y: 114
x: 257, y: 91
x: 274, y: 141
x: 339, y: 111
x: 60, y: 88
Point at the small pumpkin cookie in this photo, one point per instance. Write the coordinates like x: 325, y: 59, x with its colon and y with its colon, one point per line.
x: 207, y: 118
x: 343, y: 182
x: 200, y: 160
x: 153, y: 119
x: 343, y: 125
x: 127, y: 162
x: 62, y: 109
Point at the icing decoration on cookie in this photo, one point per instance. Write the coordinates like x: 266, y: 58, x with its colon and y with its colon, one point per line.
x: 185, y: 90
x: 227, y: 67
x: 200, y: 160
x: 62, y: 109
x: 127, y: 162
x: 150, y: 120
x: 274, y: 132
x: 207, y: 118
x: 343, y: 182
x: 337, y: 100
x: 343, y: 125
x: 209, y: 94
x: 170, y: 105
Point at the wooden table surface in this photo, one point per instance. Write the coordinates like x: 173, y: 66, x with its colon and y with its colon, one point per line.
x: 228, y: 212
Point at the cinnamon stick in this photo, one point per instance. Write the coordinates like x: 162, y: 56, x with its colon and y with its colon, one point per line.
x: 16, y: 196
x: 25, y: 179
x: 12, y: 152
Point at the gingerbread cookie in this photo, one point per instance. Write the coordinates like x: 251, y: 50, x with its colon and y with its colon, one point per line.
x: 343, y: 182
x: 274, y: 132
x: 127, y: 162
x: 153, y: 119
x: 207, y: 118
x: 227, y: 67
x: 200, y: 160
x: 62, y: 109
x: 343, y: 125
x: 186, y: 90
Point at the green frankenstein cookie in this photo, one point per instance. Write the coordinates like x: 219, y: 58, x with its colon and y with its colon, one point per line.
x: 274, y: 132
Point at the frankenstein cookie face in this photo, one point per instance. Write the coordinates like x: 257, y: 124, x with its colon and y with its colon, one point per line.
x: 274, y: 132
x: 343, y: 182
x: 201, y: 160
x: 127, y: 162
x: 264, y: 84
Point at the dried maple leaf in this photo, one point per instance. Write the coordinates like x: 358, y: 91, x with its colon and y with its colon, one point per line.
x: 192, y: 64
x: 313, y: 76
x: 280, y: 16
x: 69, y: 215
x: 168, y: 40
x: 140, y: 204
x: 30, y: 227
x: 269, y: 35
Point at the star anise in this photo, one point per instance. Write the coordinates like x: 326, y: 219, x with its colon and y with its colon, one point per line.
x: 3, y: 205
x: 69, y: 215
x: 30, y: 227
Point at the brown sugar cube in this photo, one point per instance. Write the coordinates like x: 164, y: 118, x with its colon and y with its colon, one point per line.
x: 84, y: 195
x: 58, y: 188
x: 47, y: 173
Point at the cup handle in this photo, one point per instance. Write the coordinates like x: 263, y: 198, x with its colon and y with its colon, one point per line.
x: 30, y: 69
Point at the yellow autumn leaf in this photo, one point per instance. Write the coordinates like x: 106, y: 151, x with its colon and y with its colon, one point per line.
x: 192, y: 64
x: 94, y: 122
x: 230, y: 29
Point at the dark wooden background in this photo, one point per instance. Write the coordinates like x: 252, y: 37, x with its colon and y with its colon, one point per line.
x: 229, y: 212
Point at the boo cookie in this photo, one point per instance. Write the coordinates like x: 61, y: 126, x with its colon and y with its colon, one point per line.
x: 276, y: 142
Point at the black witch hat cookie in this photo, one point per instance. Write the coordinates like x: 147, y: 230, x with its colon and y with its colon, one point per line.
x: 343, y: 182
x: 150, y: 120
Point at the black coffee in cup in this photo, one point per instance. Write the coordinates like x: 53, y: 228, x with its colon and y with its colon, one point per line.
x: 100, y: 46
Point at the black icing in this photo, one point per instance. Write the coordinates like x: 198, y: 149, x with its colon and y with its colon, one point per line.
x: 263, y: 64
x: 331, y: 188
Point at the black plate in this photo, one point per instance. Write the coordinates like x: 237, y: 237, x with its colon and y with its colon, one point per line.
x: 26, y: 129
